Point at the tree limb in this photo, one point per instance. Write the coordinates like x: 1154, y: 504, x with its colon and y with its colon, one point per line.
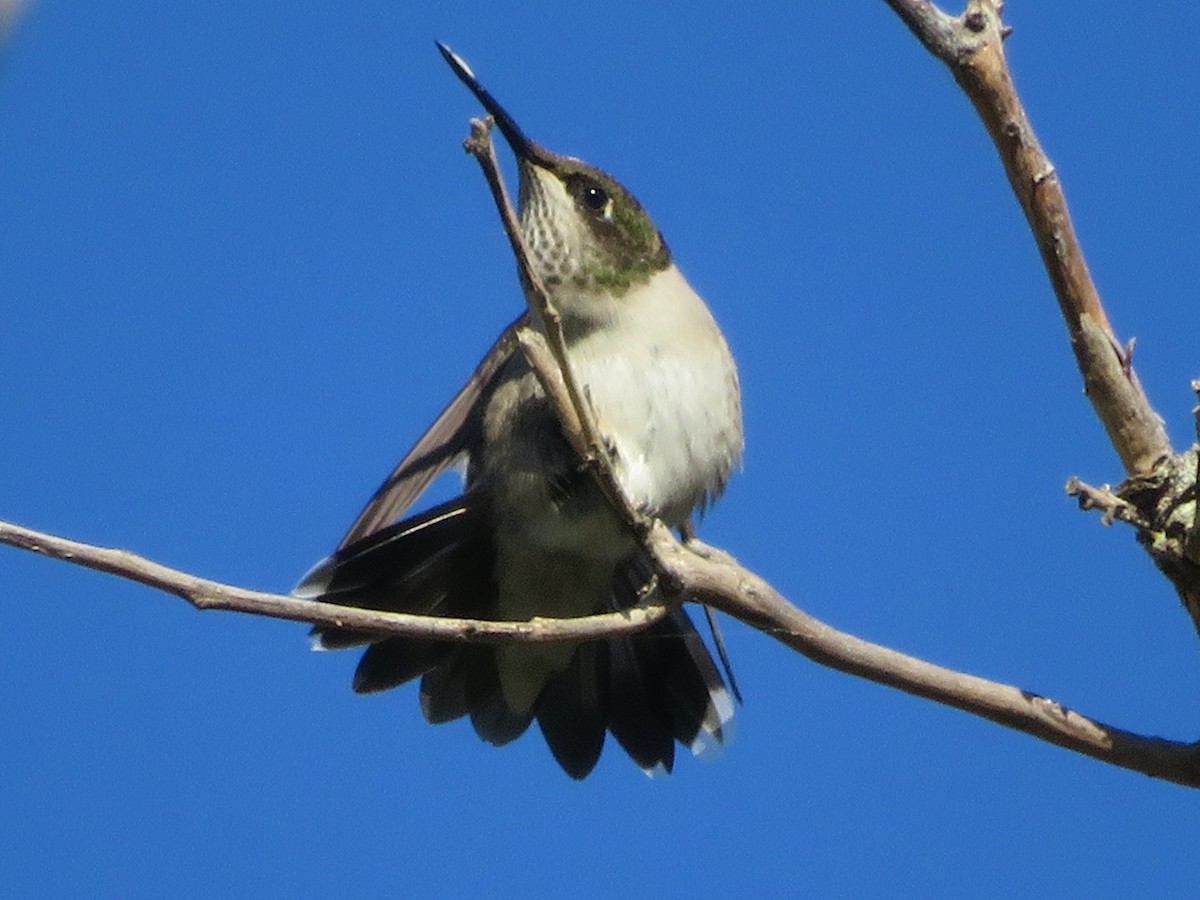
x: 712, y: 577
x: 708, y: 576
x: 1160, y: 483
x: 972, y: 46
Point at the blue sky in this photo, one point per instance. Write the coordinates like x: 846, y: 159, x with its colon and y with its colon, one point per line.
x: 243, y: 262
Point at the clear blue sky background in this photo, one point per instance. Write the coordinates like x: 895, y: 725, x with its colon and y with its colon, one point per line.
x: 243, y: 262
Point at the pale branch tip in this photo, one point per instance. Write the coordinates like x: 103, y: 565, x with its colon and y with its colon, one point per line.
x: 1112, y: 507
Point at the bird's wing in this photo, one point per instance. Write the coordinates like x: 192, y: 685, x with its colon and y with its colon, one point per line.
x: 450, y: 435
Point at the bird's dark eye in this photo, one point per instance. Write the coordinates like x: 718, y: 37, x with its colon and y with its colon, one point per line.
x: 595, y: 197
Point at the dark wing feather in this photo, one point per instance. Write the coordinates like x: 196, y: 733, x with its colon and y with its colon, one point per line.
x: 388, y: 562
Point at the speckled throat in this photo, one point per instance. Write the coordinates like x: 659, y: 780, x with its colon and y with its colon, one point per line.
x: 550, y: 226
x: 591, y: 250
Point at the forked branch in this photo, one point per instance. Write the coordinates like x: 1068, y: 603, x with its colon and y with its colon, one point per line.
x: 1160, y: 483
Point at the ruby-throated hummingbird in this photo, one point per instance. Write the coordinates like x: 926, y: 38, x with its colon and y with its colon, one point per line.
x: 532, y: 534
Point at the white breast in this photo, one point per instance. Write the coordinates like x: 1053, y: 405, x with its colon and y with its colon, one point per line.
x: 664, y: 387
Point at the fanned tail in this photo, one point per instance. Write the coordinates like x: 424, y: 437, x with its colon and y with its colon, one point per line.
x: 650, y: 690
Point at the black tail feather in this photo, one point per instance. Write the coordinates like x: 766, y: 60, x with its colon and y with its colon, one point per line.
x: 490, y: 714
x: 572, y: 711
x: 395, y: 660
x: 444, y: 690
x: 719, y: 643
x: 689, y: 683
x: 637, y: 718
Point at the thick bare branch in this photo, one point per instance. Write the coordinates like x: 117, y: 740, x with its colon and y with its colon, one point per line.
x: 712, y: 577
x: 972, y: 46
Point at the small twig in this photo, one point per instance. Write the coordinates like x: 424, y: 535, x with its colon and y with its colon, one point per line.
x: 547, y: 353
x: 479, y: 145
x: 1102, y: 498
x: 545, y: 366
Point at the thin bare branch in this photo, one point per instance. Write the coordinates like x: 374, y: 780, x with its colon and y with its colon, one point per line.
x: 708, y: 576
x: 205, y: 594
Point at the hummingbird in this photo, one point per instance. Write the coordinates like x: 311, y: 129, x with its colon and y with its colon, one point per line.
x: 532, y: 534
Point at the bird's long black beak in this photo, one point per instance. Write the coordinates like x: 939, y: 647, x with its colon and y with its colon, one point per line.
x: 522, y: 146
